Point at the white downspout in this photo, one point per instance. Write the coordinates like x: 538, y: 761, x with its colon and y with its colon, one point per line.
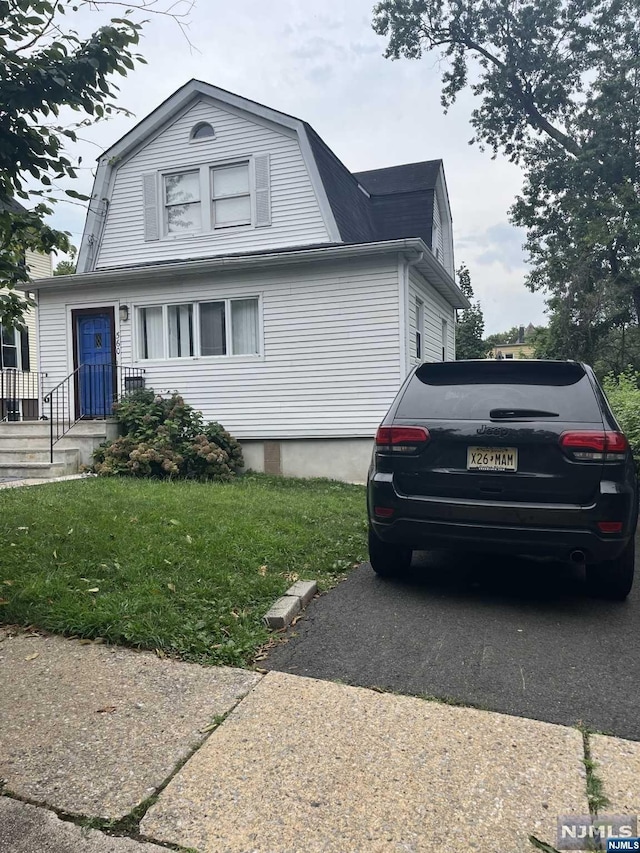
x: 409, y: 263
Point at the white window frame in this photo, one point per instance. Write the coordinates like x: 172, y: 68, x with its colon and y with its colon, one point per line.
x: 196, y: 127
x: 419, y: 351
x: 250, y: 195
x: 137, y: 343
x: 205, y: 172
x: 166, y: 334
x: 165, y: 213
x: 17, y: 345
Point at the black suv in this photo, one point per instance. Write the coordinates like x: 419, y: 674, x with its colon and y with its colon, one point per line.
x: 513, y: 457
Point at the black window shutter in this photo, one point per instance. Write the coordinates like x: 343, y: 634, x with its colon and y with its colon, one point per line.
x: 24, y: 349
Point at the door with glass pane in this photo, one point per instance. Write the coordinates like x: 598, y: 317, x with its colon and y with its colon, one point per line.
x: 95, y: 361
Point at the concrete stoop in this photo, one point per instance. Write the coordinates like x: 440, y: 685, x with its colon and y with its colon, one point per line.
x: 25, y: 448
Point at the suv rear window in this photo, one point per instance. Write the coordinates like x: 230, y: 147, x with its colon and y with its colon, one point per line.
x: 459, y: 390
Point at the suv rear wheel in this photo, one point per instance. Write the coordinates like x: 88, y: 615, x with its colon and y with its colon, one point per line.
x: 613, y: 579
x: 388, y: 560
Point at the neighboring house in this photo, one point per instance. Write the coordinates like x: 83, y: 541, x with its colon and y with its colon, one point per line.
x: 520, y: 348
x: 229, y: 255
x: 19, y: 386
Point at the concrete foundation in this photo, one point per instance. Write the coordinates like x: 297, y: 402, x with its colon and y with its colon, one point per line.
x: 345, y: 459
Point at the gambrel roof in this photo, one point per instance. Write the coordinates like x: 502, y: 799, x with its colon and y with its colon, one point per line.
x: 363, y: 207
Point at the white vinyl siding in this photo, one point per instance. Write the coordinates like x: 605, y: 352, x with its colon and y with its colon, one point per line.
x: 330, y: 347
x: 40, y: 265
x: 436, y: 310
x: 284, y: 201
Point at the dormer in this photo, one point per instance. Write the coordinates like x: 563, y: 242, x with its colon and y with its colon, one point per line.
x: 412, y: 201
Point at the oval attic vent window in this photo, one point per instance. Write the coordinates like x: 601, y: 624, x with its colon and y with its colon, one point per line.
x: 202, y: 131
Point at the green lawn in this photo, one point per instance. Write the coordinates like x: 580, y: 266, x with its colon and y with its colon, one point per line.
x: 186, y: 568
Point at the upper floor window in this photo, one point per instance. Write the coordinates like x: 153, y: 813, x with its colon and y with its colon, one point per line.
x: 205, y: 198
x: 202, y: 131
x: 231, y: 196
x: 227, y: 190
x: 183, y: 211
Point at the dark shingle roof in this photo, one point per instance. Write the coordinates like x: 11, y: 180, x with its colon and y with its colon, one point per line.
x: 351, y: 208
x: 398, y: 201
x: 411, y: 177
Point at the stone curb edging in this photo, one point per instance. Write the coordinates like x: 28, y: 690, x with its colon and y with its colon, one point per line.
x: 286, y: 608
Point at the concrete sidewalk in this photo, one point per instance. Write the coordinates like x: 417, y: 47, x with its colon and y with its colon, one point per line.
x: 126, y: 742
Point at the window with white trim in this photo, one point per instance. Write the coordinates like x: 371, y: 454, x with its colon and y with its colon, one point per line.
x: 231, y: 196
x: 9, y: 353
x: 151, y: 337
x: 180, y: 330
x: 225, y: 327
x: 228, y: 189
x: 419, y: 327
x: 202, y: 130
x: 207, y: 198
x: 182, y: 207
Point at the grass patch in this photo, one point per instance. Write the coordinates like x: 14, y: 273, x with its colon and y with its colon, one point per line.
x: 595, y: 787
x: 185, y: 568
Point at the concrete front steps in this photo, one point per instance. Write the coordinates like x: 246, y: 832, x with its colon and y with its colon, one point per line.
x: 25, y: 448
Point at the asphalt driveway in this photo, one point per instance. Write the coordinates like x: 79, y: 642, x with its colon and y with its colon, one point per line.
x: 515, y: 635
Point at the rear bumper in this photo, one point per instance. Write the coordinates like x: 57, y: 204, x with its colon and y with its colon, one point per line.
x: 538, y: 530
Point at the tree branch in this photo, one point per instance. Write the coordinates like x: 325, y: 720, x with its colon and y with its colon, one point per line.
x: 526, y: 100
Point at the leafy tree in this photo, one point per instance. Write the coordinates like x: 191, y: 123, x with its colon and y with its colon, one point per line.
x: 68, y: 266
x: 508, y: 337
x: 65, y: 268
x: 623, y: 393
x: 47, y: 67
x: 470, y: 322
x: 557, y: 84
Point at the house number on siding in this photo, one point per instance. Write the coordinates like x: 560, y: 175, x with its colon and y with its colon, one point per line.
x: 117, y: 343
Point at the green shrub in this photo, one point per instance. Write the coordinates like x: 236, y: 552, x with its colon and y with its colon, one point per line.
x: 165, y: 437
x: 623, y: 393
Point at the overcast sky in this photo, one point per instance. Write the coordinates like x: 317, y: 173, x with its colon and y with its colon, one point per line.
x: 328, y: 68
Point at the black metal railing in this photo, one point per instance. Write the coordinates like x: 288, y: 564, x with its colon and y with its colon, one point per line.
x: 20, y: 392
x: 89, y: 392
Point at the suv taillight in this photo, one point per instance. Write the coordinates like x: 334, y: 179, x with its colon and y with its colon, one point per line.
x: 595, y: 445
x: 401, y: 439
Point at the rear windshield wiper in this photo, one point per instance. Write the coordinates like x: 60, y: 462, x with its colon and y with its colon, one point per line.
x: 500, y: 414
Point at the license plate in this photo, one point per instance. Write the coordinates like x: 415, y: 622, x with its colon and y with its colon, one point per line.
x: 492, y: 459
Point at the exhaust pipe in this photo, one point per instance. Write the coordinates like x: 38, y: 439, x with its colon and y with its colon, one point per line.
x: 577, y: 557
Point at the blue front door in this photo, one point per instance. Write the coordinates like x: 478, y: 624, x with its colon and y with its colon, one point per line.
x: 96, y: 365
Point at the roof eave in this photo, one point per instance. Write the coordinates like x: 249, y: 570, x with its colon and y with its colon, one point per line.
x: 421, y: 255
x: 437, y: 275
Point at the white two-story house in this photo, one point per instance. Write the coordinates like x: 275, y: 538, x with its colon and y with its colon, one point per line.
x: 229, y: 255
